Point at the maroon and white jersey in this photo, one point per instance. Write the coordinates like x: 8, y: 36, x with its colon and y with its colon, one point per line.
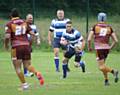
x: 102, y: 33
x: 18, y: 30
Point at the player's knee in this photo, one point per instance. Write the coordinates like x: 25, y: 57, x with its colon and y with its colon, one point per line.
x: 65, y: 61
x: 18, y: 70
x: 56, y: 54
x: 101, y: 68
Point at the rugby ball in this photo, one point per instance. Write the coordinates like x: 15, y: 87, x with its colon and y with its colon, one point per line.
x: 78, y: 46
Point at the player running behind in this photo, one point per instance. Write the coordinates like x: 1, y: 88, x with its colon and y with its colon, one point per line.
x: 102, y: 32
x: 29, y: 20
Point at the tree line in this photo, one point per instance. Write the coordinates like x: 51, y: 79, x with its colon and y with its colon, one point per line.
x: 77, y: 6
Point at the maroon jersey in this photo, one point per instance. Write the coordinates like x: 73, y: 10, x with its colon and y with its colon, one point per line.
x: 102, y: 33
x: 18, y: 29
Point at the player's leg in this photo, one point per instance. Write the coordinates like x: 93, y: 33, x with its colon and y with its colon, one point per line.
x: 16, y: 59
x: 101, y: 57
x: 68, y: 54
x: 64, y: 48
x: 64, y: 67
x: 56, y: 58
x: 27, y: 63
x: 78, y: 62
x: 56, y: 46
x: 102, y: 67
x: 17, y: 66
x: 30, y: 68
x: 26, y: 72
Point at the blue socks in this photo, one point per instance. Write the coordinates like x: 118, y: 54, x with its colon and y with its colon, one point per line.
x: 82, y: 65
x: 56, y: 60
x: 64, y: 67
x: 25, y: 70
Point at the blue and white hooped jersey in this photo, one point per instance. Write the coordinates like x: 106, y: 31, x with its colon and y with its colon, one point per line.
x: 73, y: 37
x: 34, y: 30
x: 33, y: 27
x: 58, y: 26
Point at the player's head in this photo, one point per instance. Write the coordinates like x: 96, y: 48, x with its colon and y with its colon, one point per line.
x: 14, y: 13
x: 60, y: 14
x: 69, y: 26
x: 29, y: 18
x: 102, y: 16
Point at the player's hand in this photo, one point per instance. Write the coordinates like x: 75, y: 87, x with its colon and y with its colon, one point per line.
x: 63, y: 41
x: 38, y: 42
x: 90, y: 49
x: 50, y: 43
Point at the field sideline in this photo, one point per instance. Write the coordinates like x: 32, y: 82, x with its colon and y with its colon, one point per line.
x: 77, y: 83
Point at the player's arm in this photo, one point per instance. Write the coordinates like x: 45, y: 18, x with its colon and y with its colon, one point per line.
x: 115, y: 40
x: 6, y: 41
x: 50, y: 37
x: 37, y: 37
x: 7, y: 37
x: 51, y: 30
x: 89, y: 40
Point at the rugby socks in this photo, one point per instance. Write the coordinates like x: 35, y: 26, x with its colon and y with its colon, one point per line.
x: 82, y: 65
x: 64, y: 67
x: 56, y: 60
x: 68, y: 68
x: 25, y: 70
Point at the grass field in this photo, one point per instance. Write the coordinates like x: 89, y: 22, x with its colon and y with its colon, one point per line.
x: 77, y: 83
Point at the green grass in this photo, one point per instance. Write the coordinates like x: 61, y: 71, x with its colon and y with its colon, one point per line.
x: 77, y: 83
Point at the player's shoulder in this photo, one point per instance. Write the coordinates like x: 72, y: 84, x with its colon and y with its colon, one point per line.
x: 76, y: 31
x: 67, y: 19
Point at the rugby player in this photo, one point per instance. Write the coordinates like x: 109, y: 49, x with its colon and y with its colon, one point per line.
x: 57, y: 26
x: 71, y: 37
x: 16, y: 32
x: 102, y: 32
x: 29, y: 20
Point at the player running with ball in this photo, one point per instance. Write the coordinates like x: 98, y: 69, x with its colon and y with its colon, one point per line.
x: 75, y: 45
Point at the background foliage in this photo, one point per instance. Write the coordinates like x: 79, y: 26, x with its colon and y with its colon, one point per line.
x: 45, y: 10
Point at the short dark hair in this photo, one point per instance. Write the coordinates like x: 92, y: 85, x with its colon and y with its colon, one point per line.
x: 69, y: 22
x: 14, y: 13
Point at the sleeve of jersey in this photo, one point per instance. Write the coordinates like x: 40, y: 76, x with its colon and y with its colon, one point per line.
x: 78, y: 35
x: 111, y: 30
x: 51, y: 29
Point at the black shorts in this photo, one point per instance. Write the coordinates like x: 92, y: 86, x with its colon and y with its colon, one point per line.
x: 70, y: 52
x: 56, y: 44
x: 102, y: 54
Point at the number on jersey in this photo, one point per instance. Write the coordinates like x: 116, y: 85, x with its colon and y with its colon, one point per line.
x: 20, y: 29
x: 103, y: 32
